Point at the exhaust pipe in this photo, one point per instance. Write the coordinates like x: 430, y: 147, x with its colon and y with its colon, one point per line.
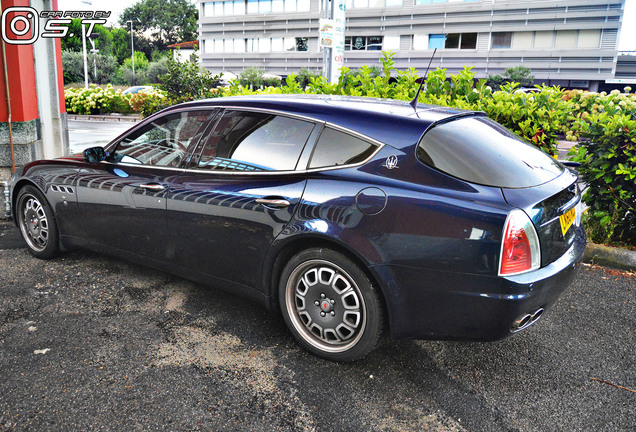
x: 525, y: 321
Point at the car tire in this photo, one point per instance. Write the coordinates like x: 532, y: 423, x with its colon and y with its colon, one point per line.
x: 330, y: 305
x: 37, y: 223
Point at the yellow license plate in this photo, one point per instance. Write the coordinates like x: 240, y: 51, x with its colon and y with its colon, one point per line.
x: 567, y: 219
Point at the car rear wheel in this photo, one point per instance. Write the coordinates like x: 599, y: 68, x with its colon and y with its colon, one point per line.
x: 37, y: 223
x: 330, y: 305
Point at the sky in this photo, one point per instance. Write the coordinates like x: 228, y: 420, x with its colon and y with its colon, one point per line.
x: 626, y: 42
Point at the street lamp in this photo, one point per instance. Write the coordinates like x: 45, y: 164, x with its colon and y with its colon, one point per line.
x: 132, y: 47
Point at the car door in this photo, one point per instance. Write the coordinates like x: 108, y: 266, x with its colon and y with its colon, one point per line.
x: 241, y: 190
x: 122, y: 201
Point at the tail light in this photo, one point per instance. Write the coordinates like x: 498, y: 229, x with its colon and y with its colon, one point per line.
x: 520, y: 251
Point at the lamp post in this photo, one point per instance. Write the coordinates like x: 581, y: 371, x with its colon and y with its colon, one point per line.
x: 132, y: 47
x: 94, y: 51
x: 85, y: 61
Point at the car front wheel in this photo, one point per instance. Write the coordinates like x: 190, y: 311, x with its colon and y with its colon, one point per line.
x: 37, y: 223
x: 330, y: 305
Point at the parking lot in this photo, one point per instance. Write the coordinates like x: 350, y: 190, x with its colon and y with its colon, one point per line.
x: 89, y: 342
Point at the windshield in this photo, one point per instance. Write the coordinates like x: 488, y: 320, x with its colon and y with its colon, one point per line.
x: 479, y: 150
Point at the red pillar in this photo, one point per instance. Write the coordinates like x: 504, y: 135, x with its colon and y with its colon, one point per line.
x: 21, y: 72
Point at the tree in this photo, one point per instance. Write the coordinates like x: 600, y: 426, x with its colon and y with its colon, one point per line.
x: 73, y: 39
x: 121, y: 44
x: 168, y: 22
x: 73, y: 66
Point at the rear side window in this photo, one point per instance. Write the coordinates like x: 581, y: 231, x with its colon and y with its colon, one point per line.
x: 479, y: 150
x: 336, y: 148
x: 254, y: 141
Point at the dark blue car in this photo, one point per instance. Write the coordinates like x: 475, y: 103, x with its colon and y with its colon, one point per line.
x: 353, y: 216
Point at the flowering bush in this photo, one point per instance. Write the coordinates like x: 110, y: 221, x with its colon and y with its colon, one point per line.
x: 149, y: 101
x: 583, y: 104
x: 96, y: 100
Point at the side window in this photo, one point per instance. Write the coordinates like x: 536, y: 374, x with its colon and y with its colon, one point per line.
x: 164, y: 141
x: 336, y: 148
x: 254, y: 141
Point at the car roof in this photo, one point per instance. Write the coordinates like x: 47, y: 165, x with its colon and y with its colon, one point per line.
x: 390, y: 121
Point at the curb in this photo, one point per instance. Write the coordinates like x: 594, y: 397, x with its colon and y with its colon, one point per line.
x: 106, y: 118
x: 609, y: 256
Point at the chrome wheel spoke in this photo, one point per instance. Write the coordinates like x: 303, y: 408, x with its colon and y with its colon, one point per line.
x: 34, y: 223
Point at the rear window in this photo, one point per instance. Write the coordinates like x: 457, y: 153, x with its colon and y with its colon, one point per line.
x: 479, y: 150
x: 336, y: 148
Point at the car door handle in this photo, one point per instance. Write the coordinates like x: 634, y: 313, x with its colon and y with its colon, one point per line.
x: 273, y: 202
x: 153, y: 187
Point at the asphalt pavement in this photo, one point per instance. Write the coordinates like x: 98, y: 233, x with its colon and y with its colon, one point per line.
x: 89, y: 342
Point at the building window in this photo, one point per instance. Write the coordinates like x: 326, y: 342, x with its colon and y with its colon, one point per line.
x: 436, y: 41
x: 239, y: 45
x: 251, y: 45
x: 355, y: 4
x: 301, y: 44
x: 421, y: 2
x: 277, y: 45
x: 468, y: 41
x: 239, y: 7
x: 589, y: 39
x: 501, y: 40
x: 565, y: 39
x: 264, y: 45
x: 420, y: 42
x: 363, y: 43
x: 264, y: 6
x: 543, y: 39
x: 453, y: 41
x: 522, y: 40
x: 391, y: 43
x: 252, y: 6
x: 561, y: 39
x: 208, y: 9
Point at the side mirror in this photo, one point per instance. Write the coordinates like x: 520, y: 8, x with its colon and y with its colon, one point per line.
x: 94, y: 154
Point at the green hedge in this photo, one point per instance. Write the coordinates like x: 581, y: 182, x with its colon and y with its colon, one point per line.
x: 96, y: 100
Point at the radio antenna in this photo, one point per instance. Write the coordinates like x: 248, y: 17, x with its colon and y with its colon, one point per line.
x: 413, y: 103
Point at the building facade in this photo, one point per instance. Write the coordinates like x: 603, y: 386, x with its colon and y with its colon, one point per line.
x: 572, y: 43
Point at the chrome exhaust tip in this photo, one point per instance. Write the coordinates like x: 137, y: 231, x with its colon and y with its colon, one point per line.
x: 526, y: 320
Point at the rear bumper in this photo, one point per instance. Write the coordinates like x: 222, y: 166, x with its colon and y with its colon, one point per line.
x: 432, y: 304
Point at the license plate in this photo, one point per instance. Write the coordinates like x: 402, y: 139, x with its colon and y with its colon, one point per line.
x: 567, y: 219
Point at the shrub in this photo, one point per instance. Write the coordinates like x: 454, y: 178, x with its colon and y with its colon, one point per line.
x: 188, y: 81
x: 106, y: 68
x: 95, y: 100
x: 608, y: 166
x: 149, y: 102
x: 73, y: 66
x: 518, y: 74
x: 255, y: 78
x: 304, y: 77
x: 156, y: 69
